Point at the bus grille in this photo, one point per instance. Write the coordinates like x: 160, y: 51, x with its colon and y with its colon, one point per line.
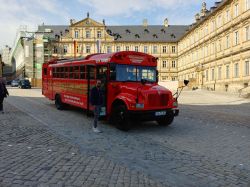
x: 155, y: 100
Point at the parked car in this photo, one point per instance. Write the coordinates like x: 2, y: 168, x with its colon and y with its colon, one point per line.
x: 24, y: 84
x: 14, y: 83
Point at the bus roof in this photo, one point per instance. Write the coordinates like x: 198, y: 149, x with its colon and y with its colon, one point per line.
x: 123, y: 57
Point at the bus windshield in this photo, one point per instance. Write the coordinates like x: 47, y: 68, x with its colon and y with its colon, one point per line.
x: 120, y: 72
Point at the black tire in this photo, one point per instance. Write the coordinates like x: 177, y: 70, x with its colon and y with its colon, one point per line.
x: 58, y: 102
x: 120, y: 118
x: 167, y: 120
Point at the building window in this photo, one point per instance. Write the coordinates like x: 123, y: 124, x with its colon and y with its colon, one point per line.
x: 173, y: 49
x: 236, y: 10
x: 219, y: 21
x: 219, y: 72
x: 247, y: 33
x: 212, y: 75
x: 55, y: 49
x: 164, y: 78
x: 164, y: 49
x: 127, y: 48
x: 136, y: 48
x: 206, y: 75
x: 88, y: 48
x: 236, y: 38
x: 227, y: 15
x: 247, y: 4
x: 77, y: 48
x: 145, y: 49
x: 219, y: 45
x: 164, y: 63
x: 212, y: 48
x: 236, y: 70
x: 109, y: 50
x: 65, y: 49
x: 227, y: 72
x: 173, y: 64
x: 213, y: 25
x: 118, y: 48
x: 227, y: 41
x: 246, y: 68
x: 87, y: 34
x: 155, y: 49
x: 76, y: 34
x: 99, y: 34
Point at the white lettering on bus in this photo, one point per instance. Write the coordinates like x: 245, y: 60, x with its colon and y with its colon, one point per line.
x: 136, y: 59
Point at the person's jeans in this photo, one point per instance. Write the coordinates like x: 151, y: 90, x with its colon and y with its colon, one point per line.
x: 96, y: 114
x: 1, y: 103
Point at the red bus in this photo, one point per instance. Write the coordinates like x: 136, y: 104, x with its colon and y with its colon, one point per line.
x: 129, y: 83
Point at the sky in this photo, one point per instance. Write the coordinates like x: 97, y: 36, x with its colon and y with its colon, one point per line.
x: 18, y: 13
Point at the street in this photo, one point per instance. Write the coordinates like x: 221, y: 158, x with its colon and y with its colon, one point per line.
x: 208, y: 144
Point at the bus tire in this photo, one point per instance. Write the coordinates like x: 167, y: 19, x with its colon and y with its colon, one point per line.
x: 58, y: 102
x: 121, y: 118
x: 167, y: 120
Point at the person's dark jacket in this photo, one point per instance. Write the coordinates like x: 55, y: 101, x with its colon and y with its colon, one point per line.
x: 96, y: 96
x: 3, y: 91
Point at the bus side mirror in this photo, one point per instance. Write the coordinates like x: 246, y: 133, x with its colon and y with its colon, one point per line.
x: 186, y: 82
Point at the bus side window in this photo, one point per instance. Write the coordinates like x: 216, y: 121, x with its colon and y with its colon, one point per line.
x: 66, y: 72
x: 62, y: 72
x: 54, y: 72
x: 91, y: 72
x: 45, y: 71
x: 112, y: 72
x: 82, y: 72
x: 71, y: 73
x: 76, y: 72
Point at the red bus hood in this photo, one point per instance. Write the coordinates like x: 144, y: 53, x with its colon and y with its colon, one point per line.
x: 152, y: 96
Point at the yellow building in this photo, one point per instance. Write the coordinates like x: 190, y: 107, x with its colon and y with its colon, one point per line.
x: 213, y: 52
x: 87, y: 36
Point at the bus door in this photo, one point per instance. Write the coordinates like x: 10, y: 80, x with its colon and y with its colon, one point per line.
x: 90, y: 69
x: 101, y: 74
x: 45, y: 81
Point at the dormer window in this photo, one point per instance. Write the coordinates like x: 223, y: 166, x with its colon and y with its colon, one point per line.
x: 163, y: 31
x: 172, y: 35
x: 128, y: 31
x: 109, y: 32
x: 137, y: 35
x: 155, y: 36
x: 146, y: 31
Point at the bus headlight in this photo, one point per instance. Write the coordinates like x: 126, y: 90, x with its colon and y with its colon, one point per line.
x: 139, y: 105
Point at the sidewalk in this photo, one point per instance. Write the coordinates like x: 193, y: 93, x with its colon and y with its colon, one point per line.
x: 32, y: 155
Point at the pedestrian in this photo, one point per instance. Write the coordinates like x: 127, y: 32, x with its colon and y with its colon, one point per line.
x: 3, y: 93
x: 96, y: 99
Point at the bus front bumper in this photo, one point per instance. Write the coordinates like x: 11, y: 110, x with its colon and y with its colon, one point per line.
x: 151, y: 115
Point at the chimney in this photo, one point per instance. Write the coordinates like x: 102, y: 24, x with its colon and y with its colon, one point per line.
x: 145, y: 22
x: 197, y: 17
x: 103, y: 21
x: 166, y: 22
x: 72, y: 21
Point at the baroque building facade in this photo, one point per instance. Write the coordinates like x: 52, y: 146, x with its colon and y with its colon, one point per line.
x: 213, y: 53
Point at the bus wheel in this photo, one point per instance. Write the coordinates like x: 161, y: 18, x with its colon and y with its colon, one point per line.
x: 121, y: 118
x: 167, y: 120
x: 58, y: 102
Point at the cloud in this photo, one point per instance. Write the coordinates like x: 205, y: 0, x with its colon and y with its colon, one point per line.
x: 111, y: 8
x: 15, y: 13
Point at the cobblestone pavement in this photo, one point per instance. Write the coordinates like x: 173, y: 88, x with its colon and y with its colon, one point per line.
x: 207, y: 145
x: 33, y: 155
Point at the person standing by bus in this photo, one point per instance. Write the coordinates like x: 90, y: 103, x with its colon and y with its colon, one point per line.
x: 96, y: 99
x: 3, y: 93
